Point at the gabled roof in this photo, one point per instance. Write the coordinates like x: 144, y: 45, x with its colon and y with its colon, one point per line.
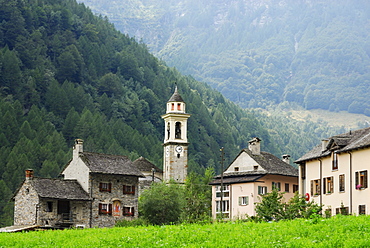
x: 269, y: 163
x: 176, y: 97
x: 59, y: 189
x: 144, y: 165
x: 237, y: 179
x: 109, y: 164
x: 340, y: 143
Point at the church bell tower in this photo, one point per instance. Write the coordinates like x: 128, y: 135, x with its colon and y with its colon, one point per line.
x: 175, y: 146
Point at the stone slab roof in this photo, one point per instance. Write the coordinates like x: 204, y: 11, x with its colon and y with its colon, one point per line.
x: 59, y: 189
x: 144, y: 165
x: 340, y: 143
x: 237, y: 179
x: 110, y: 164
x: 269, y: 163
x: 176, y: 97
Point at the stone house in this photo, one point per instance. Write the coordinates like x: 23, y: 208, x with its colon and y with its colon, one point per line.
x: 334, y: 174
x: 97, y: 190
x: 251, y: 174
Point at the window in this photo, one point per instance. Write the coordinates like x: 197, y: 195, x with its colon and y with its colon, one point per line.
x: 342, y: 210
x: 179, y: 106
x: 276, y: 186
x: 128, y: 211
x: 328, y: 185
x: 315, y: 187
x: 341, y: 183
x: 225, y: 191
x: 105, y: 187
x: 361, y: 179
x: 172, y: 106
x: 295, y: 188
x: 129, y: 189
x: 262, y: 190
x: 49, y: 206
x: 328, y: 212
x: 287, y: 187
x: 255, y: 167
x: 105, y: 208
x: 224, y: 205
x: 335, y: 161
x: 243, y: 200
x: 361, y: 209
x: 236, y: 168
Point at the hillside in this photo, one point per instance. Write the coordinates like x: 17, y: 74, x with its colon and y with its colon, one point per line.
x: 259, y: 53
x: 66, y: 73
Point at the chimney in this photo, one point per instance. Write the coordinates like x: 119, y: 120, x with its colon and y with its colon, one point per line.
x: 324, y: 144
x: 255, y: 146
x: 286, y: 158
x: 78, y: 147
x: 29, y: 174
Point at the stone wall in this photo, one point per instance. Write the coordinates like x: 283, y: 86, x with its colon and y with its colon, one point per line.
x: 116, y: 195
x: 25, y: 205
x: 80, y: 213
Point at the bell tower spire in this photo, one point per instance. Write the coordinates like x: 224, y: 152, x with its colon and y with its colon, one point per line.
x: 175, y: 146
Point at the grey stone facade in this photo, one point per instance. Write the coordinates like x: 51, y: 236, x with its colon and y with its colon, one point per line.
x: 114, y: 197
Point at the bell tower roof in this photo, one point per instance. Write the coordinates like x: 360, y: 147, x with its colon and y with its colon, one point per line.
x: 176, y: 97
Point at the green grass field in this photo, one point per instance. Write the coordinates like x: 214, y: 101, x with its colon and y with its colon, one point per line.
x: 339, y: 231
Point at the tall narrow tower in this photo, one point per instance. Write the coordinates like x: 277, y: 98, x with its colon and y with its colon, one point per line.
x: 175, y: 147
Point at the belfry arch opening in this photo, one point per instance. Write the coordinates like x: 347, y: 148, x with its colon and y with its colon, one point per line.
x: 178, y: 130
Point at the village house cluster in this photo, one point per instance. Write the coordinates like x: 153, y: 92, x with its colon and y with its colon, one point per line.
x: 97, y: 190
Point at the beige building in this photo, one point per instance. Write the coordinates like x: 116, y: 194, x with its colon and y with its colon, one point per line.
x: 334, y: 174
x: 252, y: 173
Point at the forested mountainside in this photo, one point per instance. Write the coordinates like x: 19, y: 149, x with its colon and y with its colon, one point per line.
x: 260, y: 52
x: 66, y: 73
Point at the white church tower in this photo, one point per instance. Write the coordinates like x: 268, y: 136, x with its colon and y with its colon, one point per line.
x: 175, y: 147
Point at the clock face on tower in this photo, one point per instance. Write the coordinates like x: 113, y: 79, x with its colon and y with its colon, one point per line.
x: 178, y: 149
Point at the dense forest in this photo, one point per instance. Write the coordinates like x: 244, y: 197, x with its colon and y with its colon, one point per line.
x: 66, y: 73
x: 260, y: 53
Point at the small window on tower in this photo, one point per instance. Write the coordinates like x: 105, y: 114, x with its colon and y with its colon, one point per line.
x: 173, y: 106
x: 179, y: 106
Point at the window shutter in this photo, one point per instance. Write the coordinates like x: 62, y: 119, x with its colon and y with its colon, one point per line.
x: 324, y: 186
x: 100, y: 208
x: 331, y: 185
x: 311, y: 187
x: 319, y: 187
x: 110, y: 207
x: 100, y: 186
x: 365, y: 179
x: 133, y: 211
x: 133, y: 189
x: 356, y: 179
x: 109, y: 187
x: 124, y: 189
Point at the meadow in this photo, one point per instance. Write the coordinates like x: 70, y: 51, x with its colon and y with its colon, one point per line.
x: 339, y: 231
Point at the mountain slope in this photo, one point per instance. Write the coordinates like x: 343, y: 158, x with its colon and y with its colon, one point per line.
x: 66, y: 73
x: 262, y: 52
